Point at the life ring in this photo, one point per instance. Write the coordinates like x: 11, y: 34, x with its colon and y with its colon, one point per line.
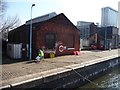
x: 61, y: 48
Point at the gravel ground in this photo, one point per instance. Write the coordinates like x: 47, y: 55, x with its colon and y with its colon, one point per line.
x: 15, y: 69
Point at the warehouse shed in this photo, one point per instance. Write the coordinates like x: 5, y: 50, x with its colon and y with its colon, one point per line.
x: 56, y: 35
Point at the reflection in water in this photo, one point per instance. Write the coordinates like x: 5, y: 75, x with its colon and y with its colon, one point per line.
x: 110, y: 80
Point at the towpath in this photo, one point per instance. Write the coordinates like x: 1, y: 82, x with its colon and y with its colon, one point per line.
x: 15, y: 72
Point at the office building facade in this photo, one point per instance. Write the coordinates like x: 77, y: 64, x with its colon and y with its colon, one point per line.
x: 119, y: 16
x: 109, y: 17
x: 87, y: 33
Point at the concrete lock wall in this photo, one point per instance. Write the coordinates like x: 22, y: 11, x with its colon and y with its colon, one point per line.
x: 71, y: 77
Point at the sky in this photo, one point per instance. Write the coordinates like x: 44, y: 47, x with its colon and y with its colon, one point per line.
x: 75, y: 10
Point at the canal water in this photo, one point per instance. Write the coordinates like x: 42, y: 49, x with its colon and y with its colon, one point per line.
x: 109, y: 81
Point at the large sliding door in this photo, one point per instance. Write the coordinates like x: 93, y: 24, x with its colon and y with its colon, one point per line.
x: 50, y: 40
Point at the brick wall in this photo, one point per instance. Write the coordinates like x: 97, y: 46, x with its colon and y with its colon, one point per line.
x: 59, y: 25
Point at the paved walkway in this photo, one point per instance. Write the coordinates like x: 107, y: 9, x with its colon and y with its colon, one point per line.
x: 16, y: 72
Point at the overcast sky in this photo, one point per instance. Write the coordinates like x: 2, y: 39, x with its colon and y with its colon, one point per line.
x: 75, y: 10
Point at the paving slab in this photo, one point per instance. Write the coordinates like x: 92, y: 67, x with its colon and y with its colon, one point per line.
x: 20, y: 71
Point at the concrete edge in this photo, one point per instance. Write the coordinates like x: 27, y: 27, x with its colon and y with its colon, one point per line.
x: 4, y: 87
x: 59, y: 70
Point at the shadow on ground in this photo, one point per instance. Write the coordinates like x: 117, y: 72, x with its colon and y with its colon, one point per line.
x: 7, y: 60
x: 97, y: 50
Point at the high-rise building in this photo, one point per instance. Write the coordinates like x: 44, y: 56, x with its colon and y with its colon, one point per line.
x: 119, y: 16
x: 119, y: 19
x: 109, y: 17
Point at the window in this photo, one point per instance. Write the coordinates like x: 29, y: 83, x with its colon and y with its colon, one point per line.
x: 50, y: 41
x: 71, y: 41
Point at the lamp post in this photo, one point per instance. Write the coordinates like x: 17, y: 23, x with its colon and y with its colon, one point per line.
x: 30, y: 57
x: 105, y: 37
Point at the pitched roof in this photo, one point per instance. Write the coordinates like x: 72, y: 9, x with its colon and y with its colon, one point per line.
x: 42, y: 18
x: 58, y: 18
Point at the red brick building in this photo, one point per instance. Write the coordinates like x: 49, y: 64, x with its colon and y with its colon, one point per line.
x: 57, y: 35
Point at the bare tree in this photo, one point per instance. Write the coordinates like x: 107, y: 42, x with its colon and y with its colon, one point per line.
x: 7, y: 23
x: 3, y: 6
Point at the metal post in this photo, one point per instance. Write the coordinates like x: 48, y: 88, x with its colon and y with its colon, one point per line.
x: 105, y: 37
x: 31, y: 34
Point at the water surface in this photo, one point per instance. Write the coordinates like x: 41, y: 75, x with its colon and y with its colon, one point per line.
x: 109, y: 81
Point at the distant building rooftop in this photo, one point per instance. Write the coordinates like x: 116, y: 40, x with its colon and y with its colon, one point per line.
x: 83, y: 23
x: 42, y: 18
x: 110, y: 9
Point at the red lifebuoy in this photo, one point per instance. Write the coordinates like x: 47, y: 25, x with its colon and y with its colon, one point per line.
x: 61, y: 48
